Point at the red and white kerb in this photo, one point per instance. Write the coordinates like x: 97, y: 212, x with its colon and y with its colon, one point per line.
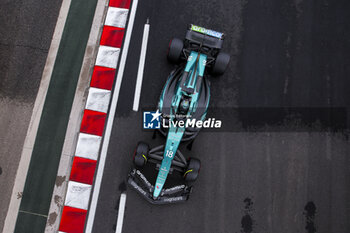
x: 92, y: 126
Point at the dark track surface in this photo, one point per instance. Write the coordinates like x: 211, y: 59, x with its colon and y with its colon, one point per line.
x: 294, y: 178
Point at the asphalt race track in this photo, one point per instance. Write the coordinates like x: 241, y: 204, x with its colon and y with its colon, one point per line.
x: 280, y: 163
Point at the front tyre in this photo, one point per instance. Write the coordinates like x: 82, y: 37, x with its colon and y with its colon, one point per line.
x: 192, y: 170
x: 221, y: 63
x: 175, y: 50
x: 141, y: 154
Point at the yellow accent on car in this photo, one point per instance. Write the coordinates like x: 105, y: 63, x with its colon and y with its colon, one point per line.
x: 144, y: 157
x: 188, y: 171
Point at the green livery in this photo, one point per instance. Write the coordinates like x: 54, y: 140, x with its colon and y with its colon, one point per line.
x: 185, y: 96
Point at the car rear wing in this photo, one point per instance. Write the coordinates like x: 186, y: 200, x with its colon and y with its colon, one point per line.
x: 208, y: 32
x: 206, y: 37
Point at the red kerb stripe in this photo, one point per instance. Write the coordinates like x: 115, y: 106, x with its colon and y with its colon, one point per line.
x: 83, y: 170
x: 73, y: 220
x: 120, y: 3
x: 112, y: 36
x: 103, y: 77
x: 93, y: 122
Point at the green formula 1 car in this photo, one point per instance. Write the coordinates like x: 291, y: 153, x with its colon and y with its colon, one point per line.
x: 184, y: 100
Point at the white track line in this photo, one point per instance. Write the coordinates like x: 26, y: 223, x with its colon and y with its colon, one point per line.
x: 121, y: 212
x: 108, y: 130
x: 141, y: 67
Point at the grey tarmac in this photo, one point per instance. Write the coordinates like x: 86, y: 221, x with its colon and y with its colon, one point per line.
x: 281, y: 164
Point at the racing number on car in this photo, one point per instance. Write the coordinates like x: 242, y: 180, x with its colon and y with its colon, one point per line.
x: 169, y: 153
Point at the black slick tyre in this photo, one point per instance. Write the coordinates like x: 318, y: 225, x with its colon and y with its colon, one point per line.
x: 175, y: 50
x: 141, y: 154
x: 221, y: 63
x: 192, y: 171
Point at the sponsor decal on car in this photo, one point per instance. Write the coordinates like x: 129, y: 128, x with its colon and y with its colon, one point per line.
x: 174, y: 199
x: 206, y: 31
x: 135, y: 186
x: 148, y: 184
x: 179, y: 187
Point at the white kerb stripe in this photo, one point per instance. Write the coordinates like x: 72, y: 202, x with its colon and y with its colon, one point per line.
x: 107, y: 56
x: 116, y: 17
x: 78, y: 195
x: 141, y: 68
x: 109, y: 124
x: 98, y: 99
x: 121, y: 212
x: 88, y: 146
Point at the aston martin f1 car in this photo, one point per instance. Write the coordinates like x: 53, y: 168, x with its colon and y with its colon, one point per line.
x: 185, y: 96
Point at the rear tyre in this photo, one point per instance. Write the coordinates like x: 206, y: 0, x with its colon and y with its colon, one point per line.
x: 192, y: 171
x: 141, y: 154
x: 175, y: 49
x: 221, y: 63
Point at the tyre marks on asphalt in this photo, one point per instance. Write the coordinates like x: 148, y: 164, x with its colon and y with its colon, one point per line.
x: 247, y: 221
x: 310, y: 213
